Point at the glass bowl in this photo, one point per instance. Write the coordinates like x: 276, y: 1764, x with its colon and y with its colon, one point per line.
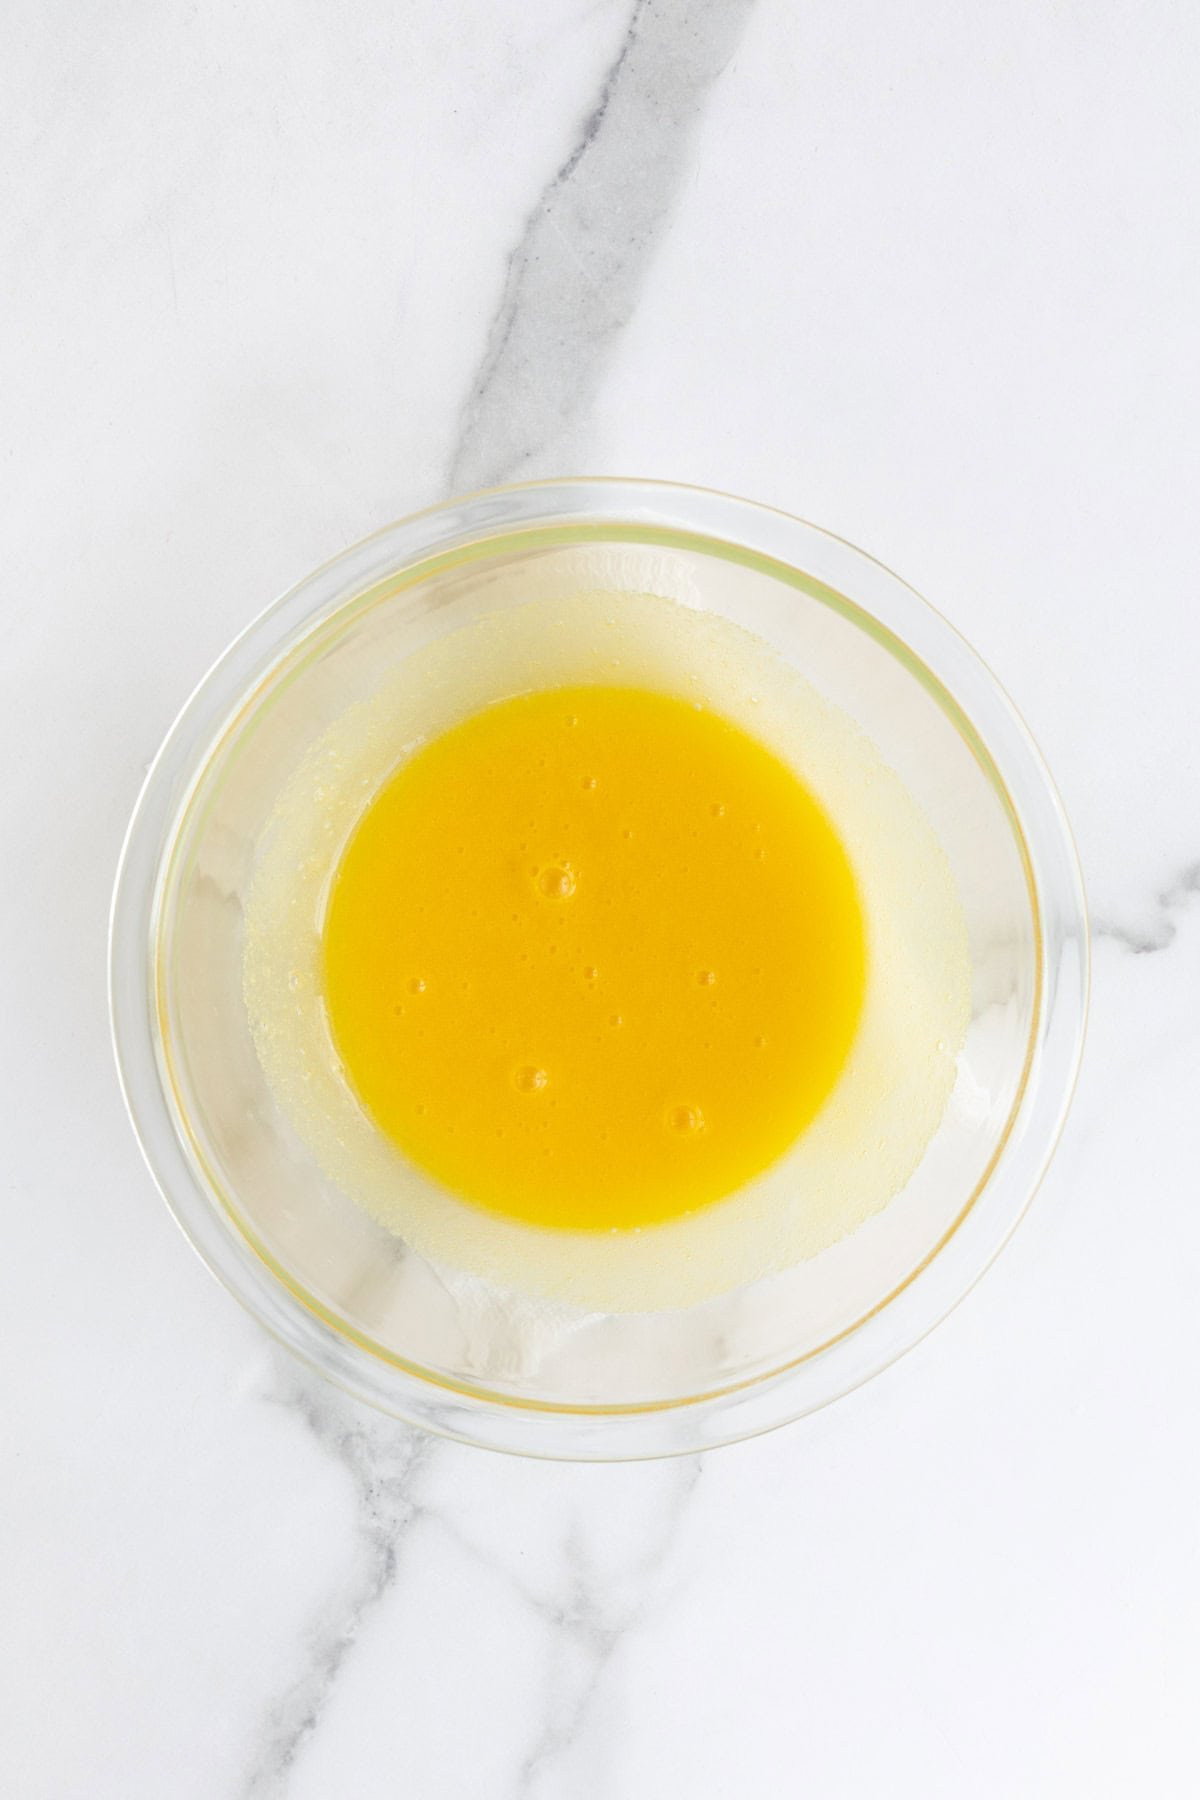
x: 357, y: 1302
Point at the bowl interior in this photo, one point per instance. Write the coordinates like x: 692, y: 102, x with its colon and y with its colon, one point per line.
x: 368, y: 1285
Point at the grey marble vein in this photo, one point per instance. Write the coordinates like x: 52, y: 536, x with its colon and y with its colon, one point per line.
x: 1159, y: 932
x: 573, y: 279
x: 587, y: 1628
x: 385, y: 1461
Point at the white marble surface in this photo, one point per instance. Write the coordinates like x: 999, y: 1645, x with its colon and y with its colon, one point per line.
x: 275, y: 273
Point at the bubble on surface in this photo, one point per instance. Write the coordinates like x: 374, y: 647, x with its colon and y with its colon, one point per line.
x: 557, y: 881
x: 686, y: 1120
x: 529, y: 1079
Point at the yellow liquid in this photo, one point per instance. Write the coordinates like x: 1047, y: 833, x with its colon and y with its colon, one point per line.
x: 593, y: 958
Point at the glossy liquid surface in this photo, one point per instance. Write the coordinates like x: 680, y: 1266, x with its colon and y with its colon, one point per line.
x: 594, y: 958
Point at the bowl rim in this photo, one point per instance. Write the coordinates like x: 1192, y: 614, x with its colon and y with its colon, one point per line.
x: 932, y: 649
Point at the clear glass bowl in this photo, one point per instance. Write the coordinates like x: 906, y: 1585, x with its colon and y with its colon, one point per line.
x: 352, y: 1299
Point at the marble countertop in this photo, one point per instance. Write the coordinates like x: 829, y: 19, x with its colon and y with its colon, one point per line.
x: 275, y: 274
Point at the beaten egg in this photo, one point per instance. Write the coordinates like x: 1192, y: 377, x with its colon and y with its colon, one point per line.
x: 593, y: 958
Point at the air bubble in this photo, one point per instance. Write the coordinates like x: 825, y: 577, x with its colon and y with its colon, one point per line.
x: 589, y: 781
x: 707, y: 978
x: 686, y: 1120
x: 530, y: 1080
x: 417, y: 985
x: 717, y: 810
x: 590, y: 974
x: 556, y: 881
x: 616, y: 1019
